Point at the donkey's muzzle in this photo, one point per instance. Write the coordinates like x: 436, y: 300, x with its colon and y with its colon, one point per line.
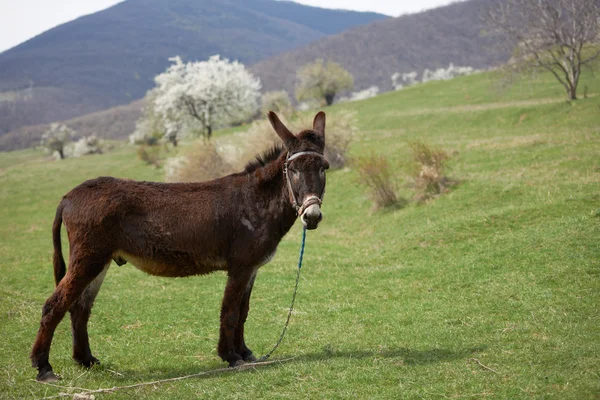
x: 311, y: 217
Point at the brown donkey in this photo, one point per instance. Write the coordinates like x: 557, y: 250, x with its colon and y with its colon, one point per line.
x: 231, y: 224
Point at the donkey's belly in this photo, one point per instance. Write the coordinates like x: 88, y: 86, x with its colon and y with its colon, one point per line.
x: 172, y: 268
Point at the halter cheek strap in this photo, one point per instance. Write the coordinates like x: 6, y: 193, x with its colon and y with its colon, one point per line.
x: 310, y: 200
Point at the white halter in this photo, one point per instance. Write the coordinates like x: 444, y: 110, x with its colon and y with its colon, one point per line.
x: 310, y: 200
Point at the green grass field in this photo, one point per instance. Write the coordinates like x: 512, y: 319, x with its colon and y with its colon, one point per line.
x: 490, y: 291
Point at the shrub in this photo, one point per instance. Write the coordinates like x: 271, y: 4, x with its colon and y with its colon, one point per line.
x: 149, y: 154
x: 85, y: 146
x: 202, y: 163
x: 428, y: 169
x: 278, y: 101
x: 375, y: 173
x: 339, y: 133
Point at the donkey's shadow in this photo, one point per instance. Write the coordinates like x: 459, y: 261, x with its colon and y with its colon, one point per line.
x: 401, y: 355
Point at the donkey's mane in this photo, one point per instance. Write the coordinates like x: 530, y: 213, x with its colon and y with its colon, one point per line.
x: 265, y: 158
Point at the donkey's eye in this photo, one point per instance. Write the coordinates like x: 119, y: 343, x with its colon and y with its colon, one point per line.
x: 295, y: 173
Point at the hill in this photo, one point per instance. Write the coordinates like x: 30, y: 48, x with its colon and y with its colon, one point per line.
x: 110, y: 57
x: 113, y: 123
x: 372, y: 53
x: 490, y: 291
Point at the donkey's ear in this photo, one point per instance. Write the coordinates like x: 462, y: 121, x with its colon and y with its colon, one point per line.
x: 319, y: 123
x: 289, y: 139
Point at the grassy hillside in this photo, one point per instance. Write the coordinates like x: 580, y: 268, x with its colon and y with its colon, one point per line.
x: 490, y: 291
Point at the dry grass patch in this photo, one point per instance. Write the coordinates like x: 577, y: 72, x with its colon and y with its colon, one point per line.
x: 202, y: 163
x: 428, y: 171
x: 149, y: 154
x: 376, y: 174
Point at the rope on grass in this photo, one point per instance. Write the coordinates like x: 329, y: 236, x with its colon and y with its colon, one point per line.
x: 482, y: 365
x: 86, y: 392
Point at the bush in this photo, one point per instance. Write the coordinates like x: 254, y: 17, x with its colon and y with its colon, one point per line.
x: 277, y: 101
x: 375, y: 173
x: 149, y: 154
x: 428, y: 169
x: 202, y: 163
x: 85, y: 146
x: 339, y: 133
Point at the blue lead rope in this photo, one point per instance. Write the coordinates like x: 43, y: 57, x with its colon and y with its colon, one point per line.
x: 302, y: 248
x: 266, y: 356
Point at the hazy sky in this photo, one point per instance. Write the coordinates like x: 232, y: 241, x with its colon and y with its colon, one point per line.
x: 23, y: 19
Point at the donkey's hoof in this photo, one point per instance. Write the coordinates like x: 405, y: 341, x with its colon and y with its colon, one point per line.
x: 236, y: 363
x: 87, y: 362
x: 47, y: 377
x: 250, y: 358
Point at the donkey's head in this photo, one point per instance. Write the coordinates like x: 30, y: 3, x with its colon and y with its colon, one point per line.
x: 305, y: 168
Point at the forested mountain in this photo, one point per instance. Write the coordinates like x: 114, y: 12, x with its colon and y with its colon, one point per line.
x: 110, y: 57
x: 372, y: 53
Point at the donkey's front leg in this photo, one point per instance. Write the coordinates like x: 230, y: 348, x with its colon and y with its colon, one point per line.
x: 240, y: 344
x: 235, y: 290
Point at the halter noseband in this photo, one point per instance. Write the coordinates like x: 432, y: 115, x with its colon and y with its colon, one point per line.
x: 312, y: 199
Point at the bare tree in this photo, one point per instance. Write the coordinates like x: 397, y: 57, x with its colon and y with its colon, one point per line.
x: 560, y: 36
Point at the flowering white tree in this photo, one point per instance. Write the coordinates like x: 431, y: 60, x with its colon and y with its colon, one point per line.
x: 367, y: 93
x: 444, y: 74
x: 400, y: 81
x: 407, y: 79
x: 149, y: 128
x: 199, y: 96
x: 56, y: 138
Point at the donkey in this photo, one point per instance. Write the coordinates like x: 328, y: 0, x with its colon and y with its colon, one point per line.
x: 232, y: 224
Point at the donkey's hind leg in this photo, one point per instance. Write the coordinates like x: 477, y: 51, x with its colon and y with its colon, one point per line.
x: 79, y: 275
x: 80, y: 314
x: 240, y: 344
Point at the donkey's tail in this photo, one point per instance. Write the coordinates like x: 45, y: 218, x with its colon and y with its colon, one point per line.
x: 60, y: 267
